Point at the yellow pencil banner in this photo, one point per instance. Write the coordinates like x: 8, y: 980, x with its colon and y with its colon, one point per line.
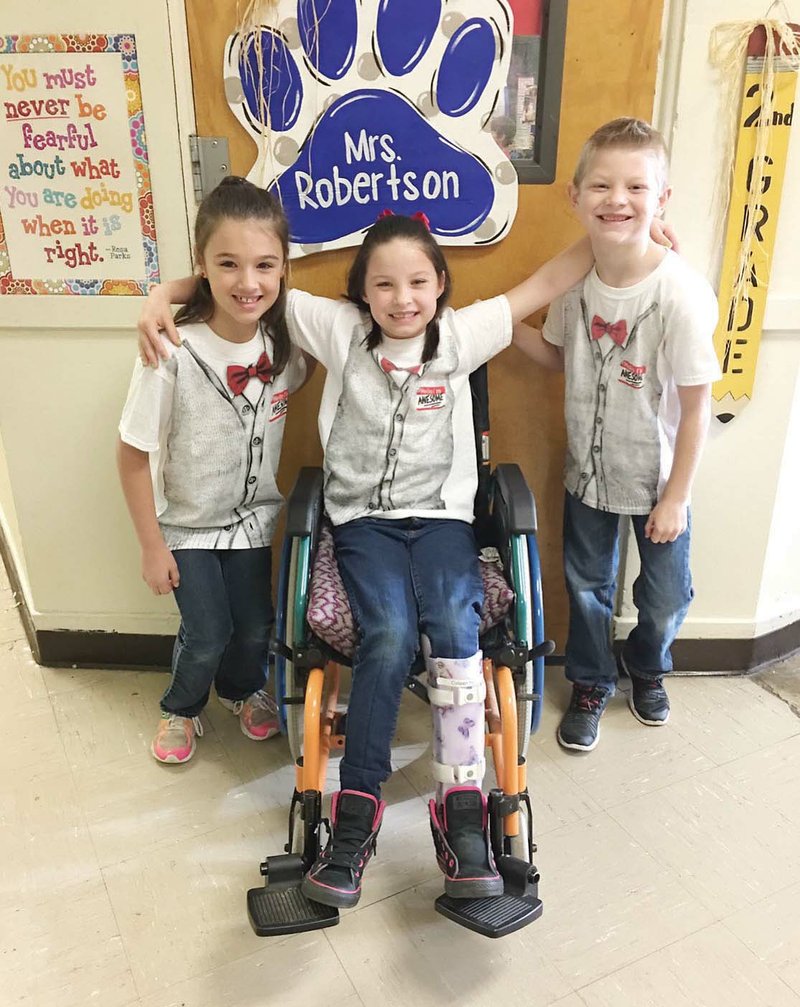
x: 738, y: 333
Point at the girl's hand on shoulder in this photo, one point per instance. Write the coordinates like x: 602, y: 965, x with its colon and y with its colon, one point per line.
x: 664, y: 235
x: 156, y: 316
x: 159, y: 569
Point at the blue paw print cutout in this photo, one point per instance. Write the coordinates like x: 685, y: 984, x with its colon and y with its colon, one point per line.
x: 358, y: 107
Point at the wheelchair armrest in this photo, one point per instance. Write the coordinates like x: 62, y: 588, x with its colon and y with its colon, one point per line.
x: 305, y: 505
x: 516, y: 498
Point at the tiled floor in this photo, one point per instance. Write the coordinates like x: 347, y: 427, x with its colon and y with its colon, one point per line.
x: 670, y: 860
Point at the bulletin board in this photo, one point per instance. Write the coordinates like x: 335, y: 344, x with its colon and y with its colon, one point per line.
x: 76, y: 206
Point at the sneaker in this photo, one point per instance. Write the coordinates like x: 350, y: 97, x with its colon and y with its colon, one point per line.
x: 174, y: 740
x: 460, y: 827
x: 334, y: 879
x: 258, y: 714
x: 580, y: 726
x: 648, y: 700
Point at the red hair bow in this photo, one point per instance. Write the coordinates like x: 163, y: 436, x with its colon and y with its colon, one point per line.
x: 419, y: 215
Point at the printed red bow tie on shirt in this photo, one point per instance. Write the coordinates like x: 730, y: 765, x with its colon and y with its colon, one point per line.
x: 239, y: 376
x: 388, y: 367
x: 617, y: 330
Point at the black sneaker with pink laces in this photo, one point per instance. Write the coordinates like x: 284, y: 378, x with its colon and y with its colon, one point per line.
x: 335, y: 877
x: 580, y: 726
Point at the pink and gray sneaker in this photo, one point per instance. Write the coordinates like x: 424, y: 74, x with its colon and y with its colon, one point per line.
x: 175, y: 738
x: 258, y: 715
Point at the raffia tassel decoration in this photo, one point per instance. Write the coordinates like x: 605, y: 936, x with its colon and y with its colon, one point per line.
x: 251, y: 17
x: 727, y: 49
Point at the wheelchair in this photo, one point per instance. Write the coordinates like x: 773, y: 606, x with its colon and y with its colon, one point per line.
x: 314, y: 637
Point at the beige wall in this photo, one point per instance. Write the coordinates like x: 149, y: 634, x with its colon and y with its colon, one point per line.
x: 65, y: 363
x: 60, y: 505
x: 746, y: 546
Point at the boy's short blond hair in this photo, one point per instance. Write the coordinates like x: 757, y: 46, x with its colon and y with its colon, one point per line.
x: 625, y: 132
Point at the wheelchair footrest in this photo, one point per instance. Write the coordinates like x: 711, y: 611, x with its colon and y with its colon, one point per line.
x: 518, y: 906
x: 493, y: 917
x: 279, y: 907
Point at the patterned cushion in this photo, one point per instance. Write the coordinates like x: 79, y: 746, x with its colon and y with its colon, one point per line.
x: 329, y: 614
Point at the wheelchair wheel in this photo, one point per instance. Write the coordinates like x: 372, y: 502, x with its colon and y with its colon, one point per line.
x: 537, y: 617
x: 294, y: 712
x: 524, y: 634
x: 280, y: 631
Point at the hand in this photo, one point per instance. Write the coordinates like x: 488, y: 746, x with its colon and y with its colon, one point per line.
x: 664, y: 235
x: 666, y: 522
x: 159, y: 569
x: 156, y: 315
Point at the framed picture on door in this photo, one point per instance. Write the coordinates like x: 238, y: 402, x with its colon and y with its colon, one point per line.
x: 526, y: 118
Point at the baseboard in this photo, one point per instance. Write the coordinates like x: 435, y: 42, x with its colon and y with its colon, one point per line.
x: 138, y: 650
x: 736, y: 656
x: 98, y: 649
x: 59, y: 648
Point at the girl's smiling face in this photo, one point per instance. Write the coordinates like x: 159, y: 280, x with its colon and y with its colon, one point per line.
x: 243, y: 262
x: 401, y: 287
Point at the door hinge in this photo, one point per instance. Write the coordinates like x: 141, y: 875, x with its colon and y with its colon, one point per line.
x: 210, y: 163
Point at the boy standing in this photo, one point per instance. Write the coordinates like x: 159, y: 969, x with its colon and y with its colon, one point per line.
x: 635, y: 340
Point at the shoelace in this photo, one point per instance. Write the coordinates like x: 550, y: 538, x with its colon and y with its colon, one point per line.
x: 650, y: 683
x: 198, y: 727
x: 260, y: 700
x: 346, y: 846
x: 588, y: 698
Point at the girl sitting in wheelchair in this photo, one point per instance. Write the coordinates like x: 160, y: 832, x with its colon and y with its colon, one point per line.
x: 400, y: 471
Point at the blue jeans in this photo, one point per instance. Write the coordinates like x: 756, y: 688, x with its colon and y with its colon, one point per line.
x: 226, y: 616
x: 661, y: 593
x: 403, y: 578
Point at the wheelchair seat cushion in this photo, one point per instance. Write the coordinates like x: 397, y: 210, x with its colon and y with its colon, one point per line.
x: 329, y: 614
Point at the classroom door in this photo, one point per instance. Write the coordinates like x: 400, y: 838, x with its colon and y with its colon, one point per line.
x: 527, y: 406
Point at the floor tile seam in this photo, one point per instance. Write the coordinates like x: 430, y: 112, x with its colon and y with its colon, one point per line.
x: 770, y: 968
x: 160, y: 847
x: 650, y: 954
x: 701, y: 899
x: 695, y: 776
x: 119, y: 933
x: 788, y: 702
x: 749, y: 755
x: 391, y: 895
x: 326, y: 933
x: 677, y: 879
x: 649, y: 793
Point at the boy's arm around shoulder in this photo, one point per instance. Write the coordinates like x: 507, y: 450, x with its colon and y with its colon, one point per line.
x: 555, y: 277
x: 534, y: 345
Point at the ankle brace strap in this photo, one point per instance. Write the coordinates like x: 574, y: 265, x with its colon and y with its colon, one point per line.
x: 457, y: 691
x: 458, y: 774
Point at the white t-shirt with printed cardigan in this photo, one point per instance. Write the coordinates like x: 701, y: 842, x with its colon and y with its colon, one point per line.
x: 397, y: 444
x: 214, y: 451
x: 626, y: 352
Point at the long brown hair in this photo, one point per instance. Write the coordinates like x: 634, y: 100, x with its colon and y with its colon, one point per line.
x: 382, y: 231
x: 237, y: 199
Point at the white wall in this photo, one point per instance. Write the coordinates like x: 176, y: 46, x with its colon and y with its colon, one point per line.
x: 746, y: 547
x: 59, y: 502
x: 65, y: 363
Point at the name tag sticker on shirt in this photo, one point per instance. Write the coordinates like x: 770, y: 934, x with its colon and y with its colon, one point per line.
x: 279, y: 406
x: 631, y: 375
x: 430, y: 397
